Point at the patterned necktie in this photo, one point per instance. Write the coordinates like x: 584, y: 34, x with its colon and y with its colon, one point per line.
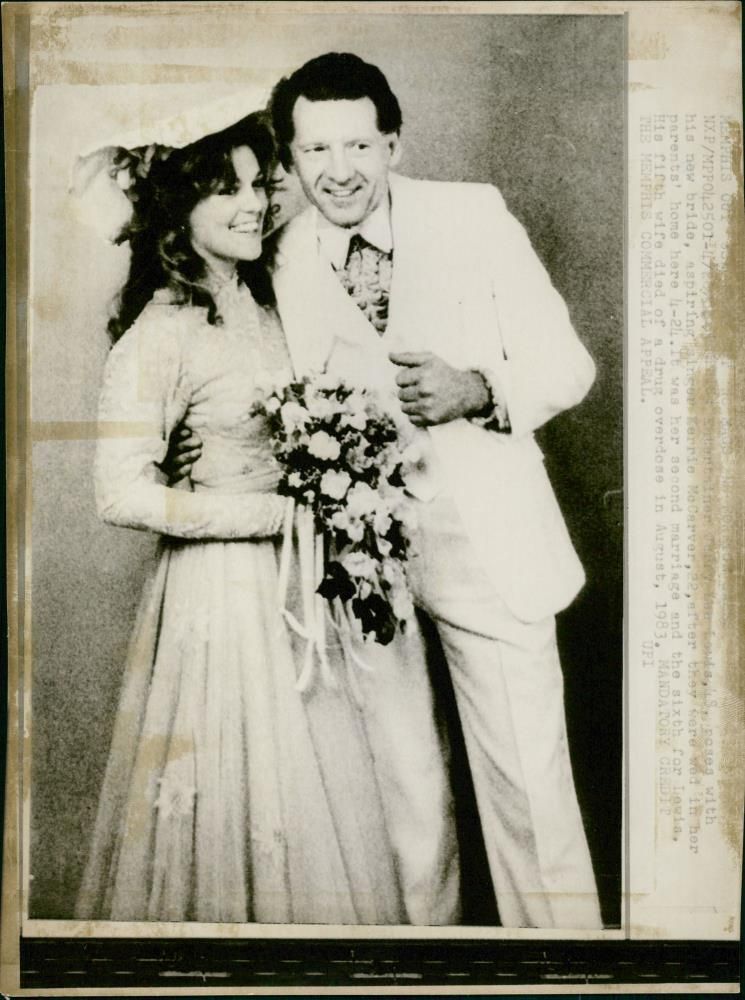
x: 367, y: 277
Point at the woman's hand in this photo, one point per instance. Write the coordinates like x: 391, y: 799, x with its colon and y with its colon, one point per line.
x: 184, y: 450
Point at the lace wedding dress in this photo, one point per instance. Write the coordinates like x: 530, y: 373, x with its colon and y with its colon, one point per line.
x: 228, y: 795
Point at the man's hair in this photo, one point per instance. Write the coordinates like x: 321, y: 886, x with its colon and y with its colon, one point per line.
x: 335, y: 76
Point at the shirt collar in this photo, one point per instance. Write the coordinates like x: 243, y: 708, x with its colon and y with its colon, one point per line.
x: 376, y: 229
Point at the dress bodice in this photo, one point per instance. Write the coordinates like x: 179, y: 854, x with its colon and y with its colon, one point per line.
x: 221, y: 365
x: 173, y: 365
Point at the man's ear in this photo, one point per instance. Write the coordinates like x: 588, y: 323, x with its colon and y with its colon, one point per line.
x: 394, y: 144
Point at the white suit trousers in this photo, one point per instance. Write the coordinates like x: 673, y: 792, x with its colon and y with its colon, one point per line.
x: 399, y: 718
x: 509, y: 692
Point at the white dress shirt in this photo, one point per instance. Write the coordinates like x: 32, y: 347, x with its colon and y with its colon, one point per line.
x: 376, y: 229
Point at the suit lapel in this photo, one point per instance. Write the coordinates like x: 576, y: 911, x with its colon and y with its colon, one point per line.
x: 315, y: 309
x: 296, y: 288
x: 423, y: 313
x: 419, y: 284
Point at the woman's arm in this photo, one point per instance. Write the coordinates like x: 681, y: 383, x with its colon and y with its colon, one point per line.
x: 144, y: 396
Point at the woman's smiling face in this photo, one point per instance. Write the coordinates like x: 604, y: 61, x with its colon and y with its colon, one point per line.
x: 227, y: 225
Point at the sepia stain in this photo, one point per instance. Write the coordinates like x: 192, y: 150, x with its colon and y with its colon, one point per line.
x: 89, y: 430
x: 96, y: 74
x: 50, y: 29
x: 17, y: 799
x: 724, y: 341
x: 650, y: 45
x: 47, y: 307
x: 728, y: 9
x: 703, y: 428
x: 68, y: 39
x: 718, y: 432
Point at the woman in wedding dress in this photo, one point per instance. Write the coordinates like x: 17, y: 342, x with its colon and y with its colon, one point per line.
x: 229, y: 795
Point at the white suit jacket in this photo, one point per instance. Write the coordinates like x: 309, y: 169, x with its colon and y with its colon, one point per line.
x: 468, y: 286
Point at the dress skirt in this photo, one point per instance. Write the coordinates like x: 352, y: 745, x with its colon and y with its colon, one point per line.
x: 229, y: 795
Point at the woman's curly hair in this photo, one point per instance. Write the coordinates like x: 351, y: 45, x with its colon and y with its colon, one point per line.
x: 164, y: 186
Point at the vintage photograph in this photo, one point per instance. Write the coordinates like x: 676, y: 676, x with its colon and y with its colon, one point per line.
x: 325, y: 387
x: 444, y: 278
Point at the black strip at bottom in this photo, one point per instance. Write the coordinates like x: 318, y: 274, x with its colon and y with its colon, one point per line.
x: 220, y: 963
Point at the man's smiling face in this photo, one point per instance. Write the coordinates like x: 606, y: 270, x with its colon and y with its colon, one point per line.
x: 341, y: 157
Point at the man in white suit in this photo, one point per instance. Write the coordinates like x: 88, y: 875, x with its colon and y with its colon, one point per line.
x: 431, y: 294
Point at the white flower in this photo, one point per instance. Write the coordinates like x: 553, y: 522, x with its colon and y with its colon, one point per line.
x: 357, y: 459
x: 335, y: 484
x: 359, y: 564
x: 388, y: 460
x: 322, y: 445
x: 356, y: 402
x: 320, y: 407
x: 384, y: 546
x: 272, y: 405
x: 355, y: 529
x: 295, y: 480
x: 340, y: 520
x: 401, y: 604
x: 390, y: 571
x: 404, y: 512
x: 356, y: 411
x: 356, y: 420
x: 362, y: 500
x: 382, y: 522
x: 293, y: 415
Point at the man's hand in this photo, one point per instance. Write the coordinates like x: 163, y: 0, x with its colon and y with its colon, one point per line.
x: 184, y: 450
x: 433, y: 392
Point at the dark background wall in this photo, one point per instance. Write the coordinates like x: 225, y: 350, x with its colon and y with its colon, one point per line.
x: 533, y: 104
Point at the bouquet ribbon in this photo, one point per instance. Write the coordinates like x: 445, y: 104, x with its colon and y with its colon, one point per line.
x: 310, y: 548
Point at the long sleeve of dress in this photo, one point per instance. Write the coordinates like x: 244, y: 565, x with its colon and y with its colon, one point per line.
x: 145, y: 394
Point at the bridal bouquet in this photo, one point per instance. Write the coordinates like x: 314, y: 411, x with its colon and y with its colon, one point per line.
x: 342, y: 458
